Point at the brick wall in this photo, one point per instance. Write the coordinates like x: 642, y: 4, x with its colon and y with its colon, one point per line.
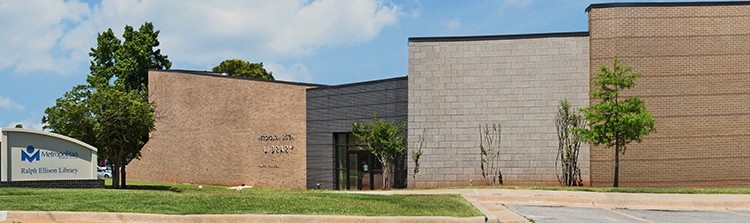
x: 692, y: 60
x: 208, y: 129
x: 457, y: 84
x: 334, y: 109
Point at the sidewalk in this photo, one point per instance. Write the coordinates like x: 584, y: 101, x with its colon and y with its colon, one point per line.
x: 492, y: 201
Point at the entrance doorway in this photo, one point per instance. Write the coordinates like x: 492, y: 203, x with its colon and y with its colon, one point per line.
x: 357, y: 168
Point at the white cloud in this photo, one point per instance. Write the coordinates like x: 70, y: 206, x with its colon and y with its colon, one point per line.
x: 516, y: 3
x: 332, y: 22
x: 6, y: 103
x: 32, y: 32
x: 297, y: 72
x: 57, y: 35
x: 452, y: 24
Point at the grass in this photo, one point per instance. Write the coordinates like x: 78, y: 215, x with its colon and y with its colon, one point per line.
x: 728, y: 190
x: 189, y: 199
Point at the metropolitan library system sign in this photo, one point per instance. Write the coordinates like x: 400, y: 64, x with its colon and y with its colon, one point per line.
x: 29, y: 155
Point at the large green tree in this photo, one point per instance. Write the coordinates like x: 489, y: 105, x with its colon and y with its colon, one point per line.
x: 71, y: 115
x: 128, y: 61
x: 241, y: 68
x: 123, y: 118
x: 615, y: 121
x: 386, y: 141
x: 111, y: 111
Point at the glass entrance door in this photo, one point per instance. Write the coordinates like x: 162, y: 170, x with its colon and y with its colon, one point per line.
x: 365, y: 181
x: 363, y: 172
x: 356, y: 167
x: 354, y: 181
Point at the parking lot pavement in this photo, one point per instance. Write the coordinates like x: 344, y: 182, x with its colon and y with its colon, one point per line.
x: 689, y: 216
x: 546, y: 214
x: 542, y: 214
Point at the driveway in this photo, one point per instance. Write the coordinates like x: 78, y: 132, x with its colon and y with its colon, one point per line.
x: 543, y: 214
x: 504, y: 205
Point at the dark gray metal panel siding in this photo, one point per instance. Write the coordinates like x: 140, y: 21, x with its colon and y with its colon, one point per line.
x: 334, y: 109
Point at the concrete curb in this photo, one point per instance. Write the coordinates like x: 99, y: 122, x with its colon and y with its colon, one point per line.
x: 620, y: 200
x: 488, y: 217
x: 98, y: 217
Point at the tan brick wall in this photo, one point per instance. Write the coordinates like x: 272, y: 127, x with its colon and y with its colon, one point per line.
x: 694, y: 79
x: 207, y: 132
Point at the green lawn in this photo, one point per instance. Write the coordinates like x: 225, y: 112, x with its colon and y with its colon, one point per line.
x: 728, y: 190
x: 189, y: 199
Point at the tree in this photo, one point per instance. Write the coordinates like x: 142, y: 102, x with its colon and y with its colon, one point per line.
x: 616, y: 121
x: 386, y: 141
x: 241, y: 68
x: 112, y: 112
x: 417, y: 154
x: 489, y: 152
x: 569, y: 144
x: 127, y: 61
x: 71, y: 116
x: 122, y: 119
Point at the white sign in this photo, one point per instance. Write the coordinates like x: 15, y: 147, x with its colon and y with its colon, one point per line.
x: 34, y: 155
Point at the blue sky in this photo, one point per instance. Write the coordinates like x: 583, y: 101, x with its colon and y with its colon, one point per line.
x: 44, y: 45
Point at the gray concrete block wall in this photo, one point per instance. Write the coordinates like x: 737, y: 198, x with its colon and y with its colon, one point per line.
x: 454, y: 86
x: 334, y: 109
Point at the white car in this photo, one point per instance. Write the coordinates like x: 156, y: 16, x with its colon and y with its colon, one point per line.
x: 104, y: 172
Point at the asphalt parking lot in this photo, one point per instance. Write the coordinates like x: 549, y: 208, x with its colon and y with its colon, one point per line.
x: 541, y: 214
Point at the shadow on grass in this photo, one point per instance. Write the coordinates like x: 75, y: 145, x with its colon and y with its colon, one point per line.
x: 149, y: 187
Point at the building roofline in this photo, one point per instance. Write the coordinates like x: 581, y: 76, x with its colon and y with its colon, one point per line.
x: 219, y: 75
x: 497, y: 37
x: 360, y: 83
x: 664, y: 4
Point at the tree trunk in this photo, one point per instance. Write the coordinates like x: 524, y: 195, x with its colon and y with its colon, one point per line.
x: 617, y: 164
x: 386, y: 176
x: 123, y: 182
x: 115, y: 175
x: 124, y: 177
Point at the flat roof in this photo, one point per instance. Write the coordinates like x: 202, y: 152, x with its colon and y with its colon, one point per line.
x: 497, y: 37
x: 664, y: 4
x: 219, y: 75
x: 359, y: 83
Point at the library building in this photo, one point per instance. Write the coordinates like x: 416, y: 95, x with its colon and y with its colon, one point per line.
x: 220, y: 130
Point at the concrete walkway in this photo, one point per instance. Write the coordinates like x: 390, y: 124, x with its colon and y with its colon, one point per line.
x: 492, y: 201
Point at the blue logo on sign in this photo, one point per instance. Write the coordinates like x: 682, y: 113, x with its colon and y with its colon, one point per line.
x: 31, y: 158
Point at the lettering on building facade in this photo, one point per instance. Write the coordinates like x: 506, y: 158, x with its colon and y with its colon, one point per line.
x: 282, y: 137
x: 276, y: 149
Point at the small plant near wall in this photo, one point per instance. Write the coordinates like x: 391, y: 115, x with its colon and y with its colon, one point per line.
x: 569, y: 144
x: 489, y: 147
x: 386, y: 141
x: 416, y: 154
